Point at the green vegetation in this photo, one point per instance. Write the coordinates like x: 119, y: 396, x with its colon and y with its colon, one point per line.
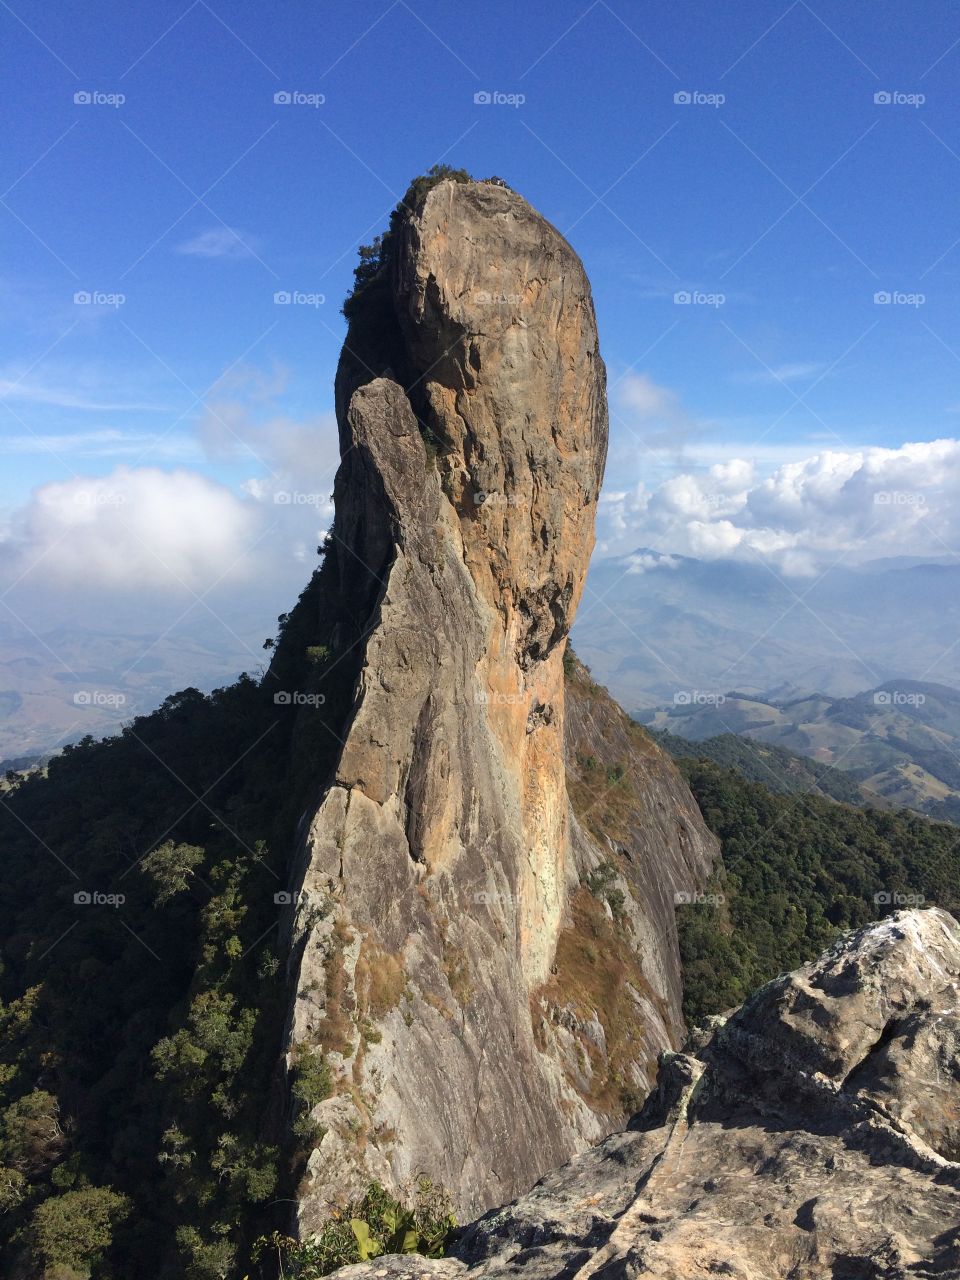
x: 76, y: 1228
x: 601, y: 884
x: 796, y: 872
x: 367, y: 1228
x: 781, y: 770
x: 896, y: 744
x: 143, y: 1125
x: 375, y: 258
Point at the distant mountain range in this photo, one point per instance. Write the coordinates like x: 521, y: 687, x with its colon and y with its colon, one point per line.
x: 654, y: 626
x: 651, y: 627
x: 59, y: 682
x: 781, y: 771
x: 899, y: 743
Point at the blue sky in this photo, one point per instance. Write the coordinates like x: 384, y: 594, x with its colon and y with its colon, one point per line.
x: 784, y: 189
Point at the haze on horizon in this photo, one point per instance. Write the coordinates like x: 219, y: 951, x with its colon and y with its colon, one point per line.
x: 761, y: 198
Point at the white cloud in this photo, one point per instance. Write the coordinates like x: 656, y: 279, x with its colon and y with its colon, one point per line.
x: 220, y: 242
x: 646, y: 561
x: 638, y: 393
x: 135, y: 529
x: 857, y: 503
x: 652, y: 414
x: 152, y: 530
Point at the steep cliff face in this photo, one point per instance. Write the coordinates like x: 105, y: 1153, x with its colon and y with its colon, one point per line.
x: 446, y: 884
x: 810, y: 1136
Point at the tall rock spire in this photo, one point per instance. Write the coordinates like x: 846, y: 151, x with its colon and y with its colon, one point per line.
x: 440, y: 865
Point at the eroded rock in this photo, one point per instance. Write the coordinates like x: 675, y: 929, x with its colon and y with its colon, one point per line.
x: 750, y: 1161
x: 448, y: 886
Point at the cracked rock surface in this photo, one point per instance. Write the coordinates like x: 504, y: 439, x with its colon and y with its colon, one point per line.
x: 443, y: 892
x: 810, y: 1136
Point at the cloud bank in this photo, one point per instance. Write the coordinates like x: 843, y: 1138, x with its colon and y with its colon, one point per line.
x: 854, y: 504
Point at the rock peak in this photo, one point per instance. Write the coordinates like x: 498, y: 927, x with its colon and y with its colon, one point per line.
x: 443, y: 864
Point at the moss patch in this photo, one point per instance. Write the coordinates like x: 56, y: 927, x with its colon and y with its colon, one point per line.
x: 595, y: 964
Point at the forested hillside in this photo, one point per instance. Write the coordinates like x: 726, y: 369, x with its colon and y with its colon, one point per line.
x: 796, y: 871
x: 782, y: 771
x: 143, y: 884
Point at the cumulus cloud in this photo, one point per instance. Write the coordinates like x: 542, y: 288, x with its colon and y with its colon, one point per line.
x: 134, y: 529
x: 857, y: 503
x: 645, y: 561
x: 153, y: 530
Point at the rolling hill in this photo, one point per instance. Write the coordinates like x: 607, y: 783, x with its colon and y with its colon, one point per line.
x: 900, y: 741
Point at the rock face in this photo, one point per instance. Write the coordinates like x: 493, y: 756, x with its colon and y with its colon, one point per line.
x: 446, y: 884
x: 811, y: 1135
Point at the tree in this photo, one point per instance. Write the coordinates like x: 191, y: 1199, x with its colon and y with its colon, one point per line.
x: 171, y: 867
x: 76, y: 1229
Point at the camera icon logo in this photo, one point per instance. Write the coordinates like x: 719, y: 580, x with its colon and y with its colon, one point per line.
x: 82, y: 98
x: 882, y: 698
x: 283, y: 898
x: 82, y: 698
x: 82, y: 298
x: 82, y: 898
x: 882, y: 298
x: 683, y: 98
x: 883, y: 98
x: 282, y: 298
x: 282, y: 699
x: 682, y: 298
x: 483, y: 98
x: 282, y: 98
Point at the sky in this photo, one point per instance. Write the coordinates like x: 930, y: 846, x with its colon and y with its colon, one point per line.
x: 764, y: 196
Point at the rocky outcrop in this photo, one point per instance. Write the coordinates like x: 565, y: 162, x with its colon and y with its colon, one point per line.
x: 812, y: 1135
x: 448, y: 889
